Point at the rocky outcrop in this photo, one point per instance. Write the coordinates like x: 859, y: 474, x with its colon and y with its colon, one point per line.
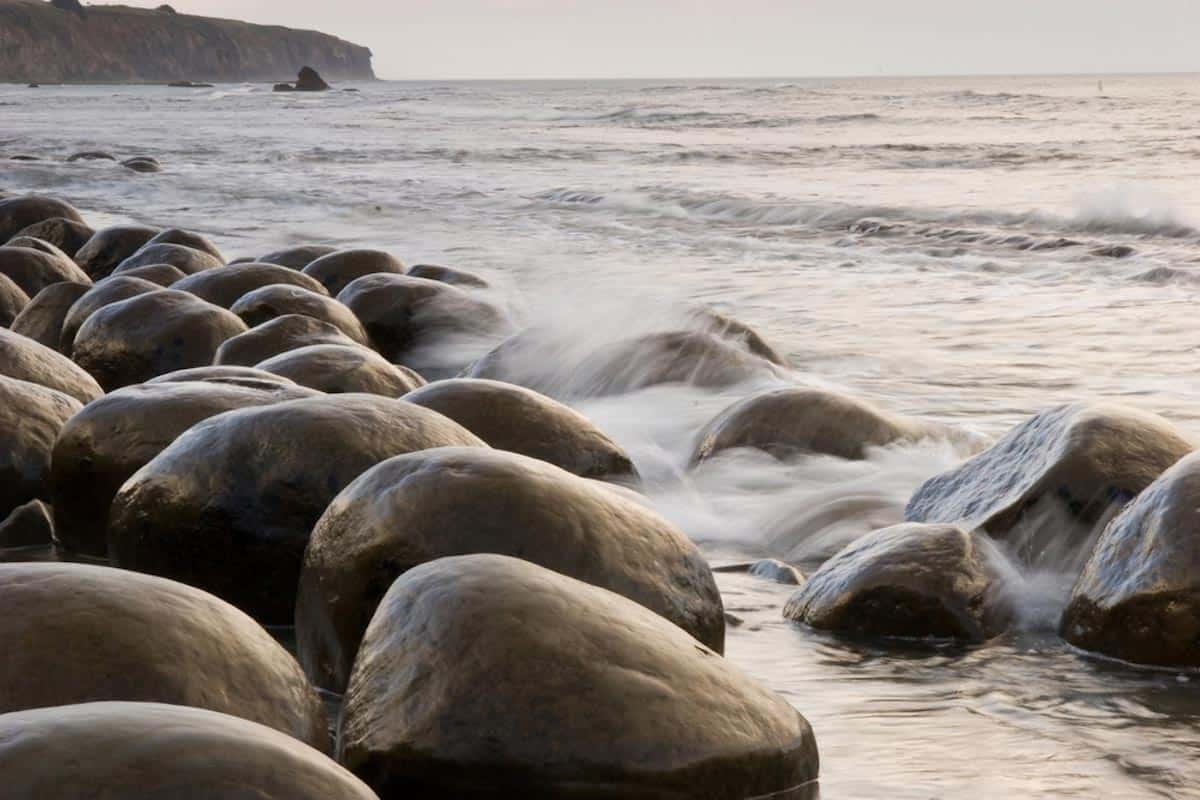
x: 41, y: 42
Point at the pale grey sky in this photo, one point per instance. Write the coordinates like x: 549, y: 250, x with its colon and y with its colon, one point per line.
x: 707, y: 38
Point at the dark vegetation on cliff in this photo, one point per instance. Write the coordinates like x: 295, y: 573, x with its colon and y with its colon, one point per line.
x: 62, y: 41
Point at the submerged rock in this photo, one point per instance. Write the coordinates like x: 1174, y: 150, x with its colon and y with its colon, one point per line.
x: 142, y: 164
x: 30, y: 418
x: 108, y: 247
x: 587, y: 694
x: 151, y: 334
x: 1087, y: 458
x: 309, y: 81
x: 91, y: 155
x: 103, y: 445
x: 909, y: 580
x: 1138, y: 597
x: 153, y: 751
x: 454, y: 501
x: 336, y: 270
x: 768, y: 569
x: 513, y: 418
x: 269, y: 302
x: 277, y: 336
x: 162, y: 642
x: 230, y: 504
x: 24, y: 359
x: 227, y: 285
x: 339, y: 369
x: 18, y: 213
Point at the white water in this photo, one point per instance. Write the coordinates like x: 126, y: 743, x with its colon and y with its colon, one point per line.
x: 936, y: 246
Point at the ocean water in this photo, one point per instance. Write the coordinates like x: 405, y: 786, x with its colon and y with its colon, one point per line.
x: 966, y: 250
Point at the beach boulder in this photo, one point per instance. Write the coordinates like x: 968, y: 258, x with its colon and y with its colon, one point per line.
x: 151, y: 334
x: 335, y: 270
x: 1138, y: 597
x: 454, y: 501
x: 229, y: 505
x: 162, y: 642
x: 113, y: 437
x: 455, y: 277
x: 225, y: 286
x: 42, y: 318
x: 18, y: 213
x: 1086, y: 459
x: 108, y: 247
x: 340, y: 369
x: 13, y: 301
x: 513, y: 418
x: 297, y: 257
x: 163, y: 274
x: 28, y: 525
x: 154, y: 751
x: 186, y: 259
x: 111, y: 290
x: 269, y: 302
x: 26, y: 360
x: 34, y: 270
x: 911, y: 581
x: 236, y: 376
x: 31, y: 417
x: 277, y: 336
x: 188, y: 239
x: 67, y: 235
x: 588, y: 694
x: 308, y: 80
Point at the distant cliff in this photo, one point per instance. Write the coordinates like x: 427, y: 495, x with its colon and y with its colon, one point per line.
x: 52, y: 43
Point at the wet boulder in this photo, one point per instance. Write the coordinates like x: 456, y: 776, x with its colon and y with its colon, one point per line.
x: 13, y: 301
x: 142, y: 164
x: 41, y: 245
x: 34, y: 270
x: 308, y: 80
x: 769, y: 569
x: 154, y: 751
x: 162, y: 642
x: 187, y: 239
x: 186, y: 259
x: 297, y: 257
x: 220, y: 373
x: 455, y: 501
x: 588, y: 694
x: 42, y: 319
x: 455, y: 277
x: 910, y: 581
x: 18, y: 213
x: 402, y: 315
x: 1085, y: 459
x: 798, y: 421
x: 269, y: 302
x: 113, y: 437
x: 24, y: 359
x: 230, y: 504
x: 340, y: 369
x: 91, y: 155
x: 111, y: 290
x: 513, y: 418
x: 534, y: 358
x: 1138, y: 597
x: 108, y: 247
x: 730, y: 329
x: 31, y: 417
x: 336, y: 270
x: 163, y: 274
x: 277, y: 336
x: 227, y: 285
x: 28, y: 525
x: 151, y: 334
x: 68, y: 235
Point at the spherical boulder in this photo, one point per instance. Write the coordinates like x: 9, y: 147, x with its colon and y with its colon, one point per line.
x: 911, y: 581
x: 108, y: 247
x: 279, y: 335
x: 456, y: 277
x: 402, y: 315
x: 230, y: 504
x: 162, y: 274
x: 798, y: 421
x: 1085, y: 458
x: 28, y: 525
x: 34, y: 270
x: 513, y: 418
x: 454, y: 501
x: 154, y: 751
x: 18, y: 213
x: 725, y: 327
x: 13, y: 301
x: 269, y: 302
x: 41, y: 245
x: 162, y: 642
x: 67, y: 234
x: 297, y: 257
x: 186, y: 259
x: 42, y: 319
x: 26, y: 360
x: 338, y: 369
x: 225, y: 286
x: 1138, y: 597
x: 151, y: 334
x: 588, y: 694
x: 31, y: 417
x: 113, y: 437
x: 336, y: 270
x: 142, y: 164
x: 110, y: 290
x: 187, y: 239
x: 236, y: 376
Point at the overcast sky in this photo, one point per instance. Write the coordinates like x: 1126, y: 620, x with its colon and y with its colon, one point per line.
x: 720, y: 38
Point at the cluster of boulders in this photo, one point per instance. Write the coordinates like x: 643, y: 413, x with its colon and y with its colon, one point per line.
x: 135, y: 163
x: 247, y: 444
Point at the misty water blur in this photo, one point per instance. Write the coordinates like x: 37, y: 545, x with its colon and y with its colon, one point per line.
x: 963, y: 251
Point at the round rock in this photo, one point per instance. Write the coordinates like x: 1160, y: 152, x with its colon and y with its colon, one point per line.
x: 335, y: 270
x: 339, y: 369
x: 13, y: 301
x: 34, y: 270
x: 18, y: 213
x: 152, y: 334
x: 111, y: 290
x: 110, y: 246
x: 26, y: 360
x: 66, y: 234
x: 269, y: 302
x: 162, y: 274
x: 230, y: 504
x: 297, y: 257
x: 587, y: 694
x: 519, y: 420
x: 227, y: 285
x: 29, y: 525
x: 455, y: 277
x: 279, y: 335
x: 237, y: 376
x: 186, y: 259
x: 42, y: 319
x: 187, y: 239
x: 31, y: 417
